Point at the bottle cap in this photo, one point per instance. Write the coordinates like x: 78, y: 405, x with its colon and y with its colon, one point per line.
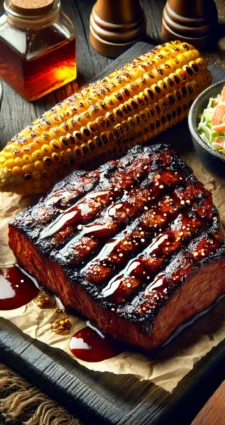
x: 31, y: 7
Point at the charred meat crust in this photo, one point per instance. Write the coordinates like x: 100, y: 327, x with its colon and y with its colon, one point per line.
x: 123, y: 242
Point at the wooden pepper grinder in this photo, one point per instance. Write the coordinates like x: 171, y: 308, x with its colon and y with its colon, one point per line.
x: 115, y: 25
x: 193, y: 21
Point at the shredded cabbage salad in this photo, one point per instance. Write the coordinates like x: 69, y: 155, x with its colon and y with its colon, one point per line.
x: 211, y: 127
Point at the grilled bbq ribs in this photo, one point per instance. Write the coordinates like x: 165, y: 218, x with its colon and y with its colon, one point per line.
x: 135, y: 246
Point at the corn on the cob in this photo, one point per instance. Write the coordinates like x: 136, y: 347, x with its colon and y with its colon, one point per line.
x: 130, y: 106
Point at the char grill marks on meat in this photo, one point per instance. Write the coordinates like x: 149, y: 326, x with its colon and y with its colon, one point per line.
x: 57, y: 217
x: 130, y: 233
x: 117, y: 251
x: 116, y: 193
x: 155, y: 293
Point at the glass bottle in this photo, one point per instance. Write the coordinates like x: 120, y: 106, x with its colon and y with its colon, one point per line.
x: 37, y: 47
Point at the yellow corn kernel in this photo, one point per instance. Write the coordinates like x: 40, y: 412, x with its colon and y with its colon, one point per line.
x: 9, y: 155
x: 46, y: 149
x: 39, y: 165
x: 27, y: 159
x: 10, y: 163
x: 16, y: 171
x: 56, y: 145
x: 28, y: 169
x: 18, y: 161
x: 34, y: 146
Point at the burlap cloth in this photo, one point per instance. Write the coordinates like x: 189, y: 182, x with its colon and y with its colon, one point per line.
x: 23, y: 404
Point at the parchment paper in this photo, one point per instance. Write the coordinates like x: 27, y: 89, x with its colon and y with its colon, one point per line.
x: 37, y: 323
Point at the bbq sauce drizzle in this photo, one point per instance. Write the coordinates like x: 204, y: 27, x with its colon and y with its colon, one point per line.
x: 90, y: 345
x: 16, y: 288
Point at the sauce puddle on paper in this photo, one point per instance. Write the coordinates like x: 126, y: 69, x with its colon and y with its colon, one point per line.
x: 16, y: 288
x: 90, y: 345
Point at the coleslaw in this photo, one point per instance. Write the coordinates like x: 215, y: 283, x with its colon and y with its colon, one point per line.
x: 212, y: 123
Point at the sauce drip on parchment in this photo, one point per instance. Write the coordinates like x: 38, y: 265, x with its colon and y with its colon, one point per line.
x: 90, y: 346
x: 16, y: 288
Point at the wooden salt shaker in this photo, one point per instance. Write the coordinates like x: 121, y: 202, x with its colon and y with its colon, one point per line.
x: 115, y: 25
x: 193, y: 21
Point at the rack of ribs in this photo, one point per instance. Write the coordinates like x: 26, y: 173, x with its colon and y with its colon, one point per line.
x: 135, y: 246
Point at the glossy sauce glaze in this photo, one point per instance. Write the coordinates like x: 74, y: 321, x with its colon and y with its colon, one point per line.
x: 78, y: 213
x: 91, y: 345
x: 16, y: 288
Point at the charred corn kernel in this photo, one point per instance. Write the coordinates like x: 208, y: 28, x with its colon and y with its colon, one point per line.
x: 47, y: 160
x: 46, y: 149
x: 129, y: 106
x: 69, y: 152
x: 56, y: 145
x: 44, y: 175
x: 55, y: 157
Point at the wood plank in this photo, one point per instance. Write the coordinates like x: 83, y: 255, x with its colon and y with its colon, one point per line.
x: 213, y: 413
x: 119, y: 400
x: 108, y: 398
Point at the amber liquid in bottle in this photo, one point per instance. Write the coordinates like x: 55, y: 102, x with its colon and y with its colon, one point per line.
x: 33, y: 80
x: 35, y: 63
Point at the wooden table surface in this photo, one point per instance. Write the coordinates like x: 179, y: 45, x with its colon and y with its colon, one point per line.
x: 16, y: 113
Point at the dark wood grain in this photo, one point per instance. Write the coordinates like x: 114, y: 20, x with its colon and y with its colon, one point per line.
x: 105, y: 397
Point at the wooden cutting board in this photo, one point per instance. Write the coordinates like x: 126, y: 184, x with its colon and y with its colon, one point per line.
x: 213, y: 413
x: 106, y: 398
